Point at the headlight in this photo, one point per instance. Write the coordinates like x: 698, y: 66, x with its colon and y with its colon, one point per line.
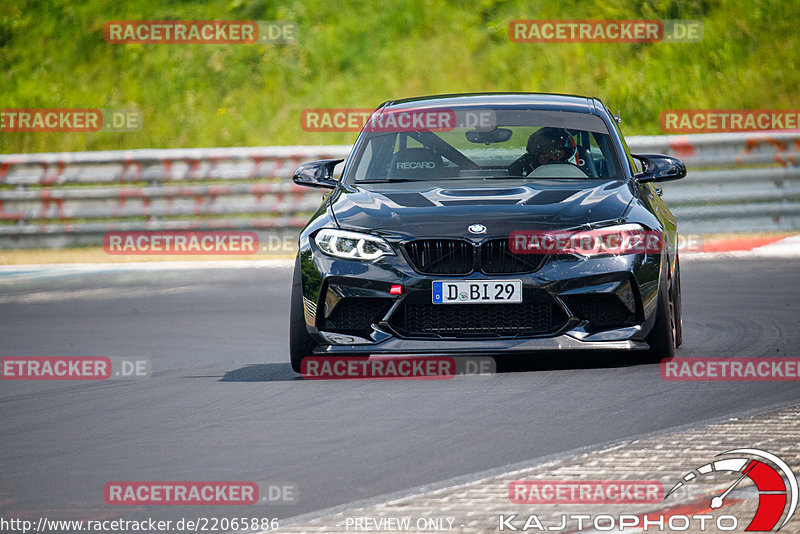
x: 352, y: 245
x: 615, y: 240
x: 630, y: 238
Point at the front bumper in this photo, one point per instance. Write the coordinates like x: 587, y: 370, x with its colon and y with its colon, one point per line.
x: 598, y: 303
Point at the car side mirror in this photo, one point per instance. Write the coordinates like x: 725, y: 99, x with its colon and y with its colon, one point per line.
x: 659, y: 168
x: 317, y: 173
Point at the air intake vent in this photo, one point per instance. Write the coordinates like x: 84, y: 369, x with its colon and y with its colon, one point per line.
x: 537, y: 315
x: 601, y: 310
x: 356, y: 315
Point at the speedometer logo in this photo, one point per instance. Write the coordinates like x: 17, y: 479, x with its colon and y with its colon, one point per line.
x: 775, y: 499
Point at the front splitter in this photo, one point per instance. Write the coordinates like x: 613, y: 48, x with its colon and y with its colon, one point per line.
x: 472, y: 346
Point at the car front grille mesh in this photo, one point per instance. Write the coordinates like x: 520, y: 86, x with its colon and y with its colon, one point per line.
x: 456, y: 257
x: 497, y: 258
x: 537, y: 315
x: 441, y: 256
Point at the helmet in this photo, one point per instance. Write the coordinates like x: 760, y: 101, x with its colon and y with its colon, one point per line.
x: 552, y: 144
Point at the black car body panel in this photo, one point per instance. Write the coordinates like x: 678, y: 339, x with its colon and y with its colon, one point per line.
x: 418, y: 208
x: 568, y: 301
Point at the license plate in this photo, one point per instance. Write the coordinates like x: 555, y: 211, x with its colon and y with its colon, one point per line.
x: 473, y: 291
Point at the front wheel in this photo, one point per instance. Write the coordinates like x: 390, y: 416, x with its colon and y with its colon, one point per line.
x: 676, y: 299
x: 300, y: 343
x: 662, y: 338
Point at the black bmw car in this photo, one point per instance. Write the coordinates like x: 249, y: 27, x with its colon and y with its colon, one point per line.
x: 488, y: 223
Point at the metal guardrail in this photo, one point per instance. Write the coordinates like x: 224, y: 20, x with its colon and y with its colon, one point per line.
x: 67, y: 199
x: 736, y: 182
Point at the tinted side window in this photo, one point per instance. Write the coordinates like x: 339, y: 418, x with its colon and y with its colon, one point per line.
x: 634, y: 163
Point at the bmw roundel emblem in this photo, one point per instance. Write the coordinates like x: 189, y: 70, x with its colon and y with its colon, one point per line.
x: 477, y: 229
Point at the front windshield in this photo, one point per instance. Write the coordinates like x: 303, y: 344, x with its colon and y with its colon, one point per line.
x: 480, y: 142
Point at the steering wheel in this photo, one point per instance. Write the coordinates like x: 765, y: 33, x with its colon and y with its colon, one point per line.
x: 558, y: 169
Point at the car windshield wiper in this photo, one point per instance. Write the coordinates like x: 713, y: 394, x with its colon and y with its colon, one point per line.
x: 387, y: 181
x: 537, y: 177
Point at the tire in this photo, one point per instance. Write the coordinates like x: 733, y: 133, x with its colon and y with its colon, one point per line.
x: 300, y: 343
x: 676, y: 299
x: 662, y: 337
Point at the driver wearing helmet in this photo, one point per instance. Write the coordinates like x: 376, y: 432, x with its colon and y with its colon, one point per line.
x: 546, y: 145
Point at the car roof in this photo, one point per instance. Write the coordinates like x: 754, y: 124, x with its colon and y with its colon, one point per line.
x: 543, y: 101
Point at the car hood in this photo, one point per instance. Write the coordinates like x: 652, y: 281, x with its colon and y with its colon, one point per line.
x: 448, y: 208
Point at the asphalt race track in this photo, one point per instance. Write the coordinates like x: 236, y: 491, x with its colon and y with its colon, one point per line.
x: 223, y: 404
